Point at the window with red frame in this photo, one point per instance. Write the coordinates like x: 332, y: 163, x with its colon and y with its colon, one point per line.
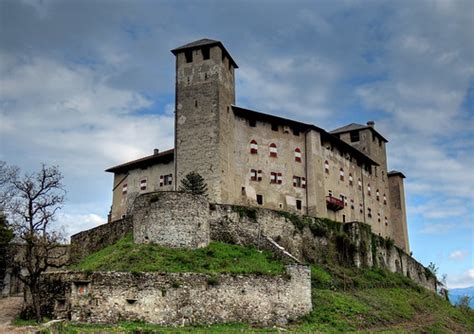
x: 143, y: 184
x: 273, y: 177
x: 341, y: 174
x: 369, y: 191
x: 273, y: 150
x: 124, y: 189
x: 326, y: 166
x: 253, y: 175
x: 384, y: 199
x: 253, y: 147
x: 377, y: 195
x: 359, y: 184
x: 297, y: 154
x: 299, y: 182
x: 351, y: 179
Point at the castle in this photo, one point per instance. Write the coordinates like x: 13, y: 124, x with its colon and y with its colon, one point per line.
x: 254, y: 159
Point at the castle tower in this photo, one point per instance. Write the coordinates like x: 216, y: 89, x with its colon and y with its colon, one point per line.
x: 205, y: 91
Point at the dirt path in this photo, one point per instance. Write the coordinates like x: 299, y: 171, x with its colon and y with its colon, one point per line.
x: 9, y: 308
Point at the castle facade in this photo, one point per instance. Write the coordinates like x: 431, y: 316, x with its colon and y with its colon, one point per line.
x: 254, y: 159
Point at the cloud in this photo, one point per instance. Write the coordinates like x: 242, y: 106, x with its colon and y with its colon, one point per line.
x: 463, y: 280
x: 458, y: 255
x: 75, y: 223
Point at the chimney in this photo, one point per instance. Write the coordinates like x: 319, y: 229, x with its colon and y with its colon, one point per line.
x: 371, y: 124
x: 156, y: 151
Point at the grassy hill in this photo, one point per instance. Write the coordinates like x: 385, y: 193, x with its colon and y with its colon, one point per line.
x: 344, y: 299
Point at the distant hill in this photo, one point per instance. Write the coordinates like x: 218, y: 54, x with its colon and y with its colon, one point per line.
x: 456, y: 294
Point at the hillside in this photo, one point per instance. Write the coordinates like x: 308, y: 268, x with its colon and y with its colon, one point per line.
x: 344, y: 299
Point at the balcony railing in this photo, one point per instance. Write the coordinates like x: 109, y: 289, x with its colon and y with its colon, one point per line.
x: 334, y: 203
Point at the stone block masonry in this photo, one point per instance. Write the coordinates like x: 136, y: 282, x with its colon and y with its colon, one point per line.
x: 177, y: 299
x: 171, y: 219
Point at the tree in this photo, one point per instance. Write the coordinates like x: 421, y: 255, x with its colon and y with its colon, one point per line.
x: 31, y: 208
x: 193, y: 183
x: 464, y: 303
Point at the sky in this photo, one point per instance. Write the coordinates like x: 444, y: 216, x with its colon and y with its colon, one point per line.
x: 86, y: 85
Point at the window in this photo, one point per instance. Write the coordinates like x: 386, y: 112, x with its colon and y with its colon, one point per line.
x: 296, y: 132
x: 124, y: 189
x: 253, y: 175
x: 298, y: 204
x: 273, y: 177
x: 369, y: 212
x: 252, y: 123
x: 361, y: 208
x: 383, y: 176
x: 297, y: 154
x: 330, y: 193
x: 384, y: 199
x: 206, y: 53
x: 274, y: 127
x: 279, y: 178
x: 359, y: 184
x: 253, y: 147
x: 326, y: 166
x: 166, y: 180
x: 386, y: 221
x: 143, y: 184
x: 351, y: 179
x: 369, y: 192
x: 341, y: 174
x: 377, y: 195
x: 354, y: 136
x: 343, y: 199
x: 378, y: 217
x: 189, y: 56
x: 352, y: 204
x: 299, y: 182
x: 260, y: 199
x: 273, y: 150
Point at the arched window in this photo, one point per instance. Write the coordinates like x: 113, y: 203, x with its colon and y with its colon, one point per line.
x: 377, y: 195
x: 386, y: 221
x: 351, y: 179
x: 253, y: 147
x: 297, y: 154
x: 341, y: 174
x: 359, y: 184
x: 369, y: 190
x: 326, y: 166
x: 384, y: 199
x: 273, y: 150
x: 378, y: 217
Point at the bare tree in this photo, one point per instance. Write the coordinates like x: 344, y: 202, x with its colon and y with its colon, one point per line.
x: 31, y: 208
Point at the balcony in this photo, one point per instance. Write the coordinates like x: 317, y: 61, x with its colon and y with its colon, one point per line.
x: 334, y: 203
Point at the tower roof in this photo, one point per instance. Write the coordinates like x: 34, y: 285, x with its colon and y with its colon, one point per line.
x: 355, y: 126
x: 204, y: 42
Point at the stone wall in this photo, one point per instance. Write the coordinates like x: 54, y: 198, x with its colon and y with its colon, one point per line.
x: 171, y: 219
x: 95, y: 239
x: 346, y: 244
x: 181, y: 298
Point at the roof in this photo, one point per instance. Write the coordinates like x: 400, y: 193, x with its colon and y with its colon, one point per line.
x: 355, y: 126
x: 251, y: 114
x: 204, y: 42
x: 396, y: 173
x: 162, y: 157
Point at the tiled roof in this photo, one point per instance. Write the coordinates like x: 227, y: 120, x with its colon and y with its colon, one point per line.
x: 162, y: 157
x: 355, y: 126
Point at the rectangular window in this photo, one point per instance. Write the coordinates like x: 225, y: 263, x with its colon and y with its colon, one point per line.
x: 206, y: 53
x: 143, y: 184
x: 298, y: 204
x: 253, y: 175
x: 168, y: 180
x: 260, y: 199
x: 252, y: 123
x: 189, y: 56
x: 274, y: 127
x: 354, y: 136
x: 369, y: 212
x: 124, y: 189
x: 279, y: 178
x: 296, y: 132
x: 273, y: 177
x: 297, y: 181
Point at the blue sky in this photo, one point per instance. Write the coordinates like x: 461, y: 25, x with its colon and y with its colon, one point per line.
x: 89, y: 84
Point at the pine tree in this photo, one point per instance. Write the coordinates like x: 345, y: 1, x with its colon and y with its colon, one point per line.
x: 193, y: 183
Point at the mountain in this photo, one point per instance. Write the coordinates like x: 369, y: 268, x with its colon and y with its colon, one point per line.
x: 456, y: 294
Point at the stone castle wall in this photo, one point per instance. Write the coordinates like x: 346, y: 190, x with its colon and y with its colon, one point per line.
x: 179, y: 299
x: 171, y: 219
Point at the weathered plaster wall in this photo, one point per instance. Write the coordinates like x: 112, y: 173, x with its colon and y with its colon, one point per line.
x: 181, y: 299
x: 121, y: 200
x: 171, y: 219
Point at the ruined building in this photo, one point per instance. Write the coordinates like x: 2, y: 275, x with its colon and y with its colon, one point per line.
x: 254, y: 159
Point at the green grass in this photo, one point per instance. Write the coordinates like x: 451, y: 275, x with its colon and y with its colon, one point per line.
x: 216, y: 258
